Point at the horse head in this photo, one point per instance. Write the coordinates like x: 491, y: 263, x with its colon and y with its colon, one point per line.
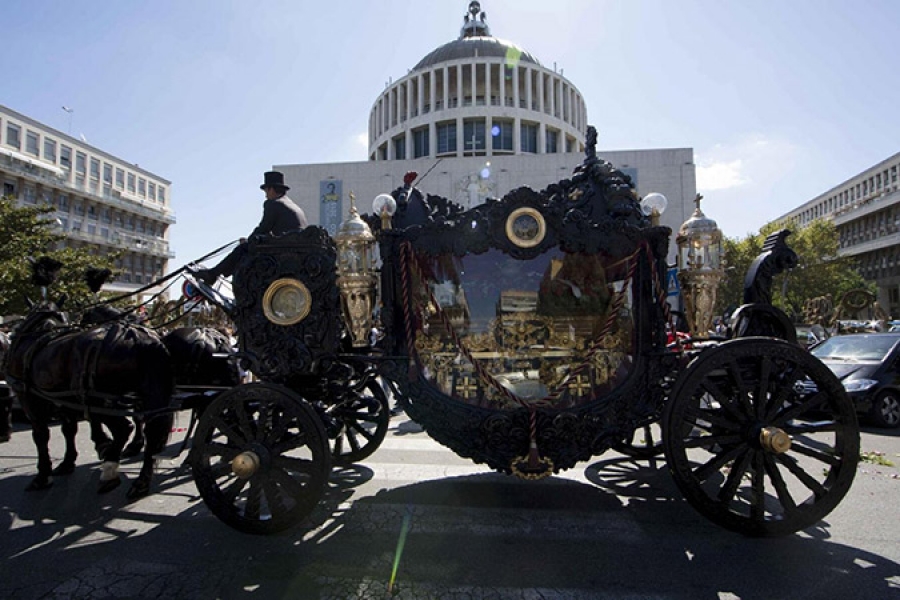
x: 43, y: 316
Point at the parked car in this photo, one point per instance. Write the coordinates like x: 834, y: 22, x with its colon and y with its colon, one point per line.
x: 868, y: 364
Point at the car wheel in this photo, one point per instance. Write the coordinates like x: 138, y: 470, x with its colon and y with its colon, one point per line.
x: 886, y: 409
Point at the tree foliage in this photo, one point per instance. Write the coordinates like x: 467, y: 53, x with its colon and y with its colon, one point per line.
x: 30, y: 231
x: 820, y: 271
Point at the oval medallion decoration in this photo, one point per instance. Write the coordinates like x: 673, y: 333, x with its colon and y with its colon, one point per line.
x: 525, y: 227
x: 286, y: 302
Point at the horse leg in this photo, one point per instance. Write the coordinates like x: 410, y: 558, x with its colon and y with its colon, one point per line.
x: 40, y: 434
x: 136, y: 444
x: 5, y: 415
x: 109, y: 476
x: 69, y: 428
x: 98, y: 436
x: 157, y: 431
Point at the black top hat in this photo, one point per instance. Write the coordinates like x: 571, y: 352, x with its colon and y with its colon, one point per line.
x: 273, y: 179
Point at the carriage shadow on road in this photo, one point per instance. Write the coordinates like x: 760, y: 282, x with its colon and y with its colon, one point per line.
x: 626, y: 533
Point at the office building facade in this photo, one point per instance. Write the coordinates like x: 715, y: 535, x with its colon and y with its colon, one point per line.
x: 102, y: 202
x: 866, y: 212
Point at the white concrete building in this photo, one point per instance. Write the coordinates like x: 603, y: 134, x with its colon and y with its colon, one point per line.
x: 102, y: 202
x: 476, y: 118
x: 866, y: 211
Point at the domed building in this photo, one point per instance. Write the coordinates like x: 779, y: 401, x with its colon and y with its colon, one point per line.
x: 476, y: 118
x: 477, y: 96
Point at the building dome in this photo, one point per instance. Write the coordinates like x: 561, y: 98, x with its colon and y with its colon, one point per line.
x: 475, y: 47
x: 477, y: 95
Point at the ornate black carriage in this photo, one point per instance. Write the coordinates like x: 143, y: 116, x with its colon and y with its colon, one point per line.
x: 529, y: 334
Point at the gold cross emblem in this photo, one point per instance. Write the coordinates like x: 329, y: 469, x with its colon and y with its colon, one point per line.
x: 579, y: 386
x: 466, y: 388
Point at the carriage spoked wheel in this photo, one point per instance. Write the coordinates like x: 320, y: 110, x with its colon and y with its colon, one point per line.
x: 643, y: 442
x: 260, y: 458
x: 761, y: 437
x: 363, y: 417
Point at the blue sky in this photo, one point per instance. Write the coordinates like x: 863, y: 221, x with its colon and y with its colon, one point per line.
x: 779, y: 100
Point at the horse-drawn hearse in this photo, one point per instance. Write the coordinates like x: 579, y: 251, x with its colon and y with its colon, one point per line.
x: 528, y: 334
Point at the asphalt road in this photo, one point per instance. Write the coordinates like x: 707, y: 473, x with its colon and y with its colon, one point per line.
x: 415, y: 521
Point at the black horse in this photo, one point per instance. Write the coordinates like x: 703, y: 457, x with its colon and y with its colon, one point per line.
x: 201, y: 362
x: 117, y: 366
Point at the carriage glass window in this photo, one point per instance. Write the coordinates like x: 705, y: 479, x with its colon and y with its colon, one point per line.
x: 554, y: 328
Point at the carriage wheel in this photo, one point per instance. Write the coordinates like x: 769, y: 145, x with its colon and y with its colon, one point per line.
x: 363, y: 419
x: 260, y: 458
x: 761, y: 437
x: 643, y: 442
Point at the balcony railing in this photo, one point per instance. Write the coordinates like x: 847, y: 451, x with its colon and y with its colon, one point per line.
x: 39, y: 175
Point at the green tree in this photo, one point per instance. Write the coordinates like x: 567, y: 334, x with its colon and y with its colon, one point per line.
x: 30, y: 231
x: 820, y: 270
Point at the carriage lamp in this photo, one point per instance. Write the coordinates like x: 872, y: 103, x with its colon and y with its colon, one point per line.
x: 700, y: 268
x: 384, y: 206
x: 654, y: 205
x: 356, y: 274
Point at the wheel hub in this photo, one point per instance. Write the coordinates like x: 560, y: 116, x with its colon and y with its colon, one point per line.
x: 774, y: 440
x: 245, y: 464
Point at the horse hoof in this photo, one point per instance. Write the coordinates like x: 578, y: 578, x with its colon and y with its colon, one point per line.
x: 4, y: 437
x: 108, y: 486
x: 138, y: 490
x: 64, y: 468
x: 132, y: 450
x: 39, y: 483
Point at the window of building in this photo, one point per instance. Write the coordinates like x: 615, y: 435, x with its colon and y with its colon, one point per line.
x: 400, y: 147
x: 151, y: 190
x: 78, y: 208
x: 502, y: 135
x: 420, y: 142
x: 383, y: 151
x: 120, y: 178
x: 13, y: 135
x: 65, y: 157
x: 80, y: 163
x: 31, y: 143
x: 63, y: 202
x: 50, y: 150
x: 106, y: 215
x: 142, y: 186
x: 95, y: 168
x: 446, y: 137
x: 552, y: 143
x: 76, y: 226
x: 528, y: 137
x: 91, y: 229
x: 104, y: 233
x: 92, y: 212
x: 107, y: 173
x: 474, y: 137
x: 30, y: 195
x: 131, y: 180
x: 161, y: 195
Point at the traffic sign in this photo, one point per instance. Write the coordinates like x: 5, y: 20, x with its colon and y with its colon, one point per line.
x: 190, y: 291
x: 672, y: 285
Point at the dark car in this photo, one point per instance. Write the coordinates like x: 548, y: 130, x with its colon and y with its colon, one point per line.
x: 868, y: 364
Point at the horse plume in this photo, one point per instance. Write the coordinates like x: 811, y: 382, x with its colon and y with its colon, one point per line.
x: 96, y: 277
x: 44, y: 270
